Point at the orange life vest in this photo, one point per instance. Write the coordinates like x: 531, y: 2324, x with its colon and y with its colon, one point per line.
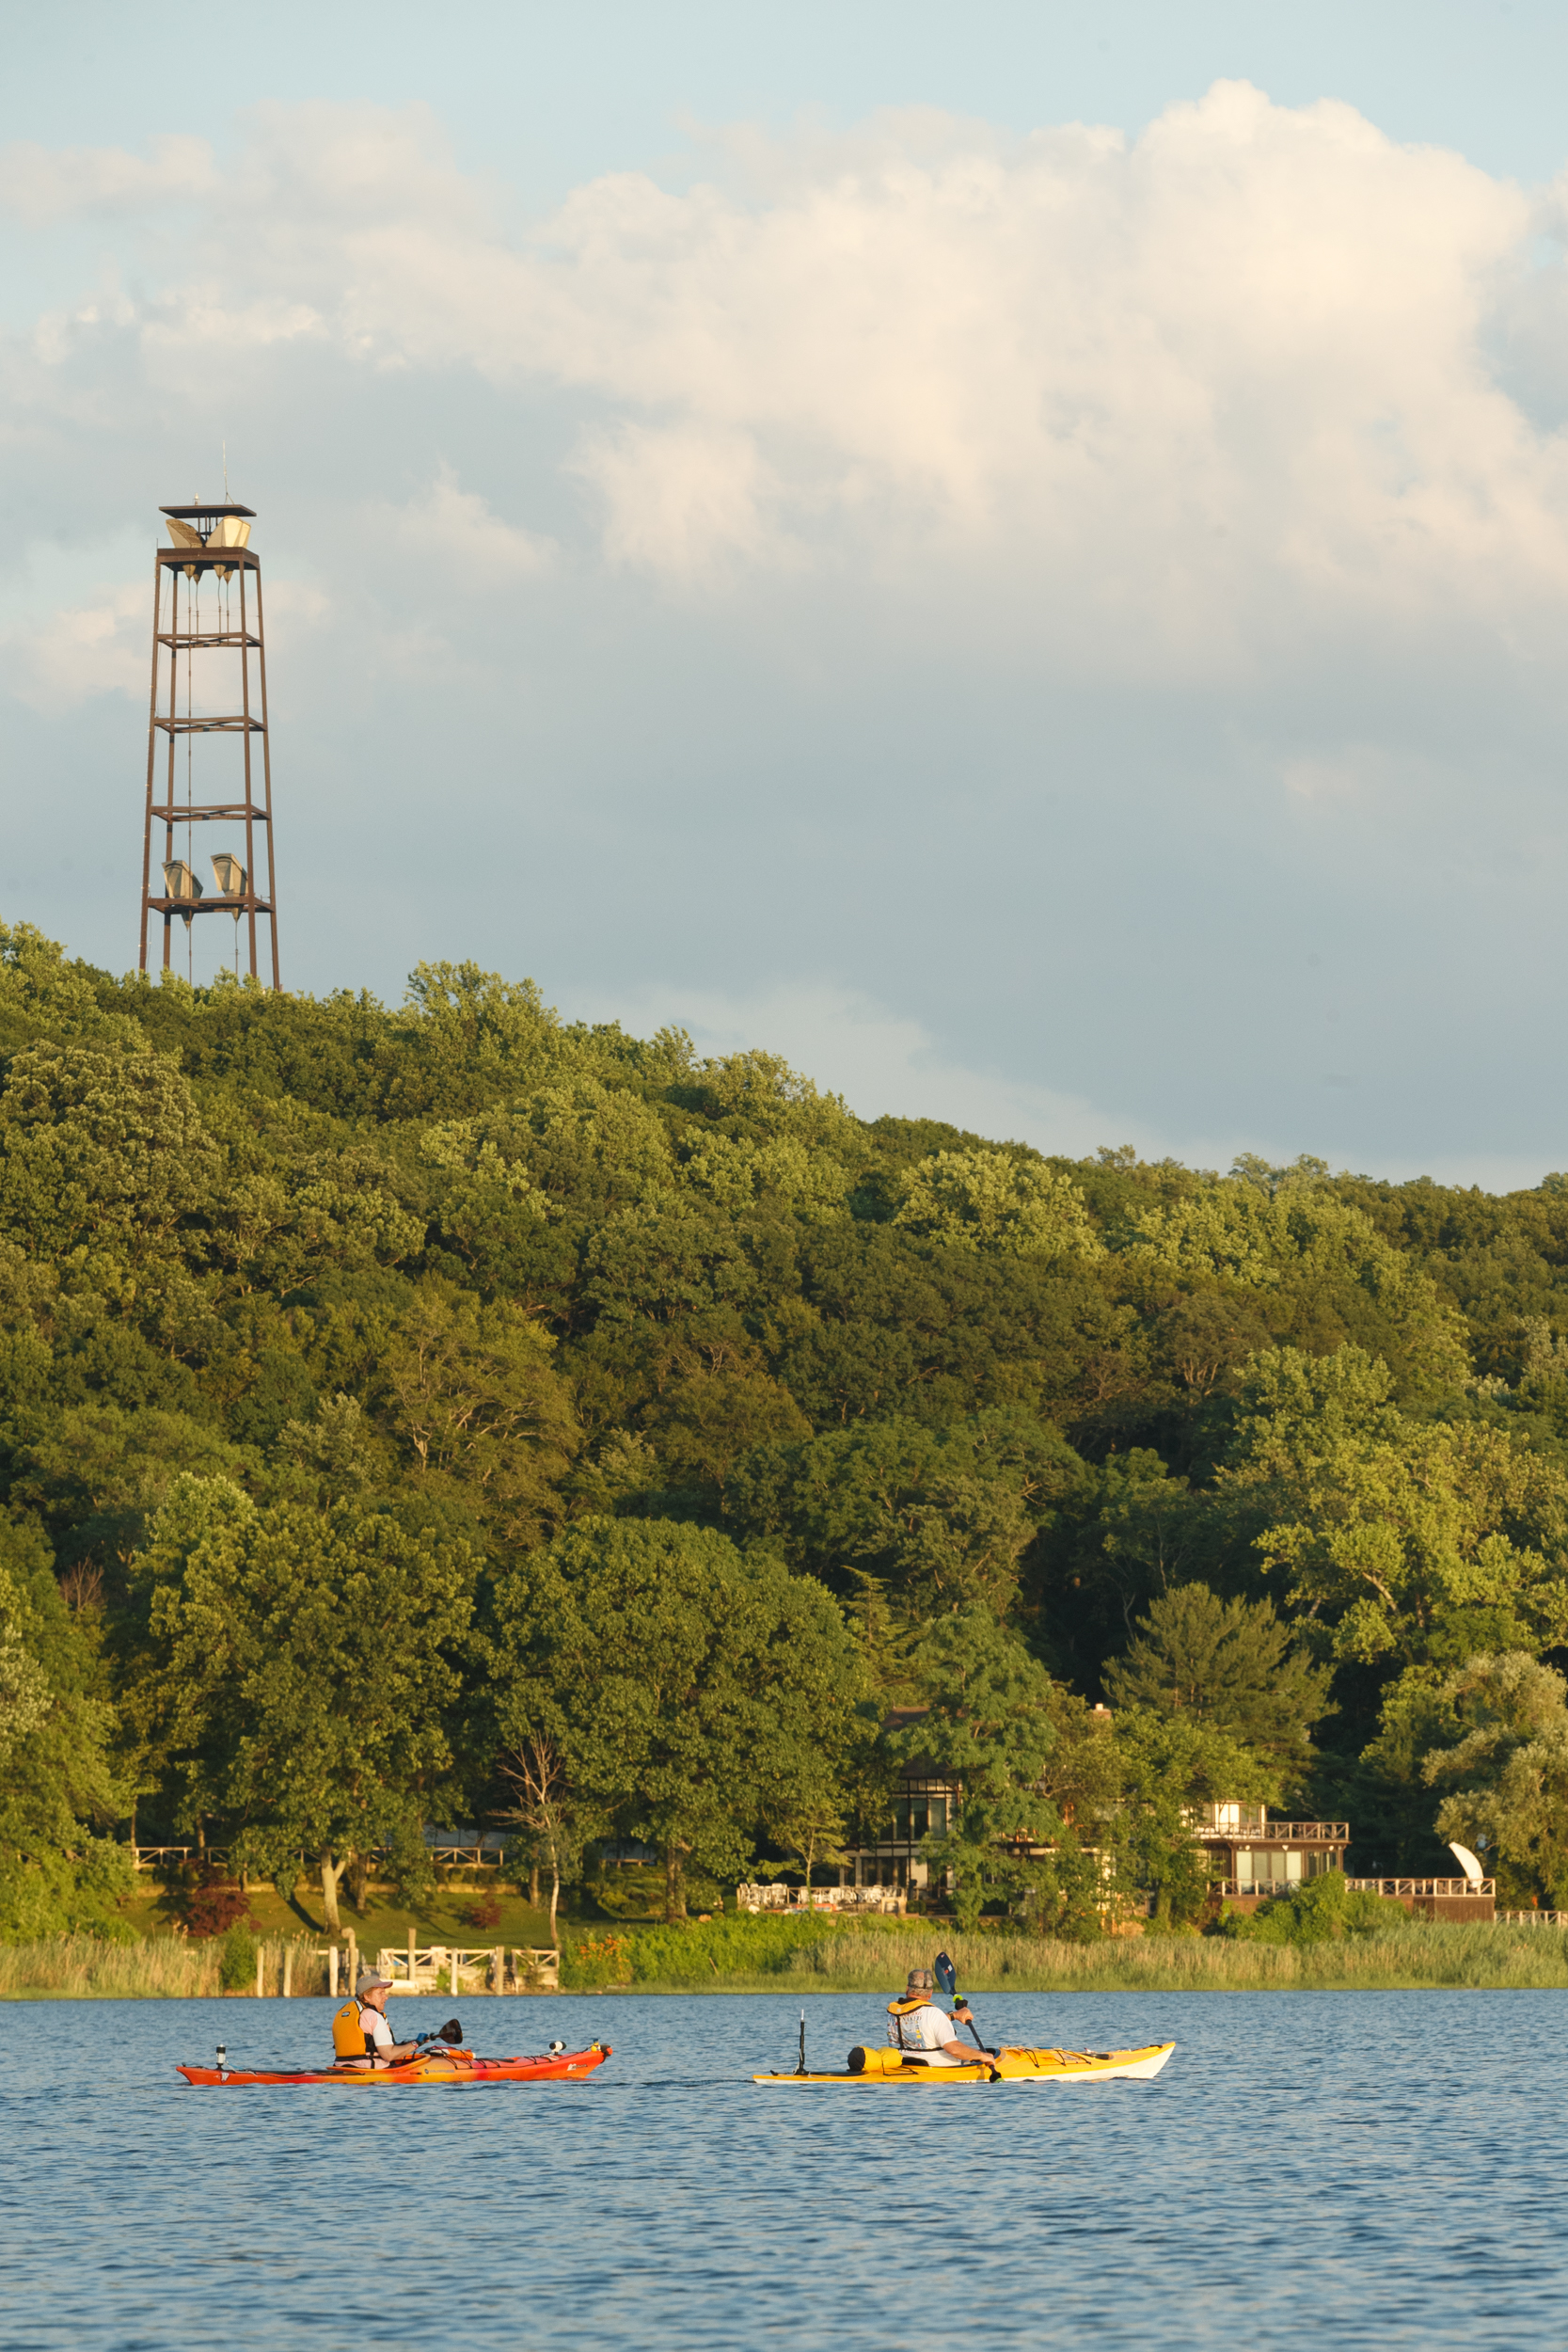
x: 349, y: 2038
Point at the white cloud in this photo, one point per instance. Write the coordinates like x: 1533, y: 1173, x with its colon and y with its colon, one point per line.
x: 39, y: 185
x: 678, y: 499
x: 1165, y: 406
x: 883, y: 1062
x: 100, y: 647
x: 60, y: 658
x: 1008, y: 574
x: 455, y: 529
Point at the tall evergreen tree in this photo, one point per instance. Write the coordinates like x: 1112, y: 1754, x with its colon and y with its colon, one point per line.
x: 1228, y: 1664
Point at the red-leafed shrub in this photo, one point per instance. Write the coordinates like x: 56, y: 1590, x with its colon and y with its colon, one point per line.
x: 485, y: 1913
x: 215, y: 1907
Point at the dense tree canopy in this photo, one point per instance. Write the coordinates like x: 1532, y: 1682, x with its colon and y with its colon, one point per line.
x: 697, y: 1696
x: 515, y: 1352
x: 1229, y: 1664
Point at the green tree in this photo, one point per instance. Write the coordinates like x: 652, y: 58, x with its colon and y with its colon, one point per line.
x: 58, y: 1791
x: 298, y: 1675
x: 1319, y: 1911
x: 458, y: 1266
x: 1171, y: 1763
x: 813, y: 1834
x: 697, y: 1695
x: 1411, y: 1541
x: 998, y: 1201
x: 1504, y: 1768
x: 986, y: 1723
x: 940, y: 1517
x: 472, y: 1394
x: 105, y: 1154
x: 1312, y: 1251
x: 1227, y: 1663
x: 543, y: 1807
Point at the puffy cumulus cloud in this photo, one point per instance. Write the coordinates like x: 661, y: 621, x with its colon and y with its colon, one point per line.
x: 1178, y: 399
x: 71, y: 651
x: 454, y: 531
x: 99, y: 647
x: 1192, y: 393
x: 680, y: 500
x: 1055, y: 586
x: 40, y: 185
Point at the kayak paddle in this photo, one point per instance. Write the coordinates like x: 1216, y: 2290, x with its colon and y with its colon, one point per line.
x: 947, y: 1981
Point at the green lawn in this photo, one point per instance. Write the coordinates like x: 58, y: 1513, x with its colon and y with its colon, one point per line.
x: 439, y: 1919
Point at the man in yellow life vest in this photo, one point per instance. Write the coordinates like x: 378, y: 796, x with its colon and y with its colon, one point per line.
x: 361, y: 2035
x: 915, y: 2024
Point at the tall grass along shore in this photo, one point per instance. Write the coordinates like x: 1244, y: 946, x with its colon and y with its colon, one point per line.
x: 821, y: 1955
x: 156, y: 1967
x: 873, y: 1959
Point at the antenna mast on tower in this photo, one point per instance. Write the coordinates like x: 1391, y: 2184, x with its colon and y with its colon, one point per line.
x: 212, y: 553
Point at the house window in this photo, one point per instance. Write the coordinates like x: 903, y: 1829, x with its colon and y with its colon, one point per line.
x: 1264, y: 1866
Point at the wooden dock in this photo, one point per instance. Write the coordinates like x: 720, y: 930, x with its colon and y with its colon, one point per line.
x: 471, y: 1969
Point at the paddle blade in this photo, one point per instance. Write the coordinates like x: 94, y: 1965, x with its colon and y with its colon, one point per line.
x: 946, y: 1975
x: 451, y: 2031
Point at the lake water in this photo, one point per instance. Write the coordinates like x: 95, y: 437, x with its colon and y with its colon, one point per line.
x: 1331, y: 2169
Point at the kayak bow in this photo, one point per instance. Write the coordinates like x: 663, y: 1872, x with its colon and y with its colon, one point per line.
x: 448, y: 2066
x: 1009, y: 2066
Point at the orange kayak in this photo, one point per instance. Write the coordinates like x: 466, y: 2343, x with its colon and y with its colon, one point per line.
x: 449, y: 2066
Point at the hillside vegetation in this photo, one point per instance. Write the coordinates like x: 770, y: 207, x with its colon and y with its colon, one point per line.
x: 448, y: 1412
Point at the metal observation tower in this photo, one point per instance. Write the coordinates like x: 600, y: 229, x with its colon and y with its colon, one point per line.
x: 207, y: 600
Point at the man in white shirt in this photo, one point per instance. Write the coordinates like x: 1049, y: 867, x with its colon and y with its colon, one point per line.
x: 915, y: 2024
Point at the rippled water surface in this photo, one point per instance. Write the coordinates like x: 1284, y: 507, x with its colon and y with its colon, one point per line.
x: 1344, y: 2169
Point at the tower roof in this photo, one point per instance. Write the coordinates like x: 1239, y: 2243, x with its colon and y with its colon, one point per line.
x: 208, y: 506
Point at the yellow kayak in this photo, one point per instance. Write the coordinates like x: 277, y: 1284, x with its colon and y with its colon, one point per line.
x: 1009, y: 2065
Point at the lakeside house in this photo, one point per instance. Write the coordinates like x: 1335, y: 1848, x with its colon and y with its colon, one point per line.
x: 925, y: 1804
x: 1253, y: 1855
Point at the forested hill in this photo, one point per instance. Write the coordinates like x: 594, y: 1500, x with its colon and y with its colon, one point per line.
x: 478, y: 1275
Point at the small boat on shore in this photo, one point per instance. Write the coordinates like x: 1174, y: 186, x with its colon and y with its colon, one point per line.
x: 1008, y: 2065
x: 451, y: 2067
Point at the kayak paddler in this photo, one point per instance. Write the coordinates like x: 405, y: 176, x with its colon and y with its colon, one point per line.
x: 361, y: 2035
x: 915, y: 2024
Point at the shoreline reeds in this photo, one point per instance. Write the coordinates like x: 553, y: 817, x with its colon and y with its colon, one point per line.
x: 154, y: 1968
x: 1427, y: 1955
x: 1424, y: 1956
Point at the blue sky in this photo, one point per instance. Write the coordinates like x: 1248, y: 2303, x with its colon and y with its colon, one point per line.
x: 1018, y: 555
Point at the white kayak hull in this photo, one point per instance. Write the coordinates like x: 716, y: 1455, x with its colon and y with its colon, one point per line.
x: 1103, y: 2066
